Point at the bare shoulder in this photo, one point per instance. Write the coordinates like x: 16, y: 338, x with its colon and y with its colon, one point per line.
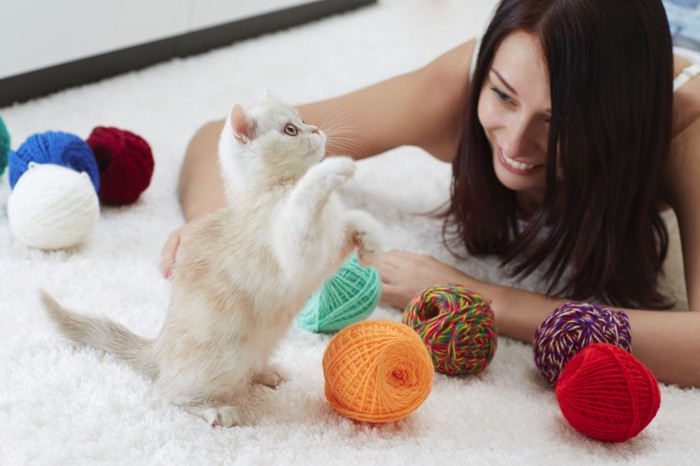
x: 682, y: 171
x: 447, y: 79
x: 686, y: 100
x: 455, y: 64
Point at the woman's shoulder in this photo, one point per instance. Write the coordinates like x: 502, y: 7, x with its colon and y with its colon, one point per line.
x: 686, y: 100
x: 445, y: 82
x: 682, y: 171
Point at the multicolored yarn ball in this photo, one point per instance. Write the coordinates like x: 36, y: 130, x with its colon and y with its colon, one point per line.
x: 456, y: 325
x: 57, y: 148
x: 570, y: 328
x: 125, y: 162
x: 607, y: 394
x: 347, y: 297
x: 377, y: 371
x: 4, y: 146
x: 52, y: 207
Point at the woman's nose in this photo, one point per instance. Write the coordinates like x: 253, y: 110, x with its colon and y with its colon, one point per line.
x: 514, y: 144
x: 519, y: 140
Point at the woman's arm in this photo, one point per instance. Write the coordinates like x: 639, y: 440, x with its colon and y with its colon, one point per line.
x: 200, y: 189
x: 667, y: 342
x: 422, y: 108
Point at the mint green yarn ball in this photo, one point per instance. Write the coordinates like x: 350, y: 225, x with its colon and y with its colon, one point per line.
x: 4, y: 146
x: 347, y: 297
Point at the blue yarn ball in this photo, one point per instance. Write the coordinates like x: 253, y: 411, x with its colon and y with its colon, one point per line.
x: 4, y: 146
x: 346, y: 298
x: 57, y: 148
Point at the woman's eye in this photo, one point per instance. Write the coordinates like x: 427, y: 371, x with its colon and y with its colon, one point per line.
x: 501, y: 95
x: 291, y: 130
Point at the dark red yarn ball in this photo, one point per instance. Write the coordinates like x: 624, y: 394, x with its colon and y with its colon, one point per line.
x: 125, y: 161
x: 607, y: 394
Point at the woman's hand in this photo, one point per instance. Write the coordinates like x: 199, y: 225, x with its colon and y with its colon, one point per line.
x: 405, y: 275
x: 168, y: 256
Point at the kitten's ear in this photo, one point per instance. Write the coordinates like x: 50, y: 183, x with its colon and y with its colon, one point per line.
x: 269, y: 96
x: 243, y: 126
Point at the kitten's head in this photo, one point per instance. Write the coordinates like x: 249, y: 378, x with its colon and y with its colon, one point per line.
x: 268, y: 141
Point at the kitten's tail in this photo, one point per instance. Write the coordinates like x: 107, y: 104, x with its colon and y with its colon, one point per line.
x: 104, y: 334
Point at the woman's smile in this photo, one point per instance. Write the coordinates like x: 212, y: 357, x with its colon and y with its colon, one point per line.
x: 514, y: 166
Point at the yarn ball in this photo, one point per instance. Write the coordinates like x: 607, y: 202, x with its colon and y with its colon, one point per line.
x: 349, y: 296
x: 52, y: 207
x: 607, y: 394
x: 456, y: 325
x: 570, y: 328
x: 57, y: 148
x: 4, y: 146
x: 376, y: 371
x: 125, y: 162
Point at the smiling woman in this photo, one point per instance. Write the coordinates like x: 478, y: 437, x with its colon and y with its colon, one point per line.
x: 514, y: 110
x: 565, y: 137
x: 533, y: 49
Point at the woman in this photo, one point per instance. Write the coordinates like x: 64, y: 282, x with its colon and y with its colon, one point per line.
x: 566, y: 138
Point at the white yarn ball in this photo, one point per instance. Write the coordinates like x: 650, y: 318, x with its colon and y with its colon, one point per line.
x: 52, y: 207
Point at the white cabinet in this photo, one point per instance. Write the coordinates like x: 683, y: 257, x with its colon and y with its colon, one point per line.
x: 36, y: 34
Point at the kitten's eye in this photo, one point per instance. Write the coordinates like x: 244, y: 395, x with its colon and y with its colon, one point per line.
x: 291, y: 130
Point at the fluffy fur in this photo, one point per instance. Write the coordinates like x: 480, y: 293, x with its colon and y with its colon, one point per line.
x: 246, y: 270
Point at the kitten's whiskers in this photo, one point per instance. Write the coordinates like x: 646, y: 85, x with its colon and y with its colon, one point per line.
x: 343, y: 139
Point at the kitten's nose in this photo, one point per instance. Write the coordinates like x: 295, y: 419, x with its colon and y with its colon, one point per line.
x: 314, y: 129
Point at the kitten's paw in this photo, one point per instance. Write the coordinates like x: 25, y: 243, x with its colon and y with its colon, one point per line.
x: 270, y: 377
x: 368, y: 248
x: 224, y: 416
x: 338, y: 170
x: 365, y: 235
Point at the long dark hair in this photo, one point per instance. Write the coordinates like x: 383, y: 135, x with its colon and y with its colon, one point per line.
x: 610, y: 65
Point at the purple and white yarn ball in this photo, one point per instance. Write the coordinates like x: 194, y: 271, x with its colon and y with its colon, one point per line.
x: 570, y: 328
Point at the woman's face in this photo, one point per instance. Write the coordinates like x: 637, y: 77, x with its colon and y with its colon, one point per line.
x: 514, y: 109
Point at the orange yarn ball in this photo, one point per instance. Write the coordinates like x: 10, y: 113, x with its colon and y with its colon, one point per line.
x: 377, y: 371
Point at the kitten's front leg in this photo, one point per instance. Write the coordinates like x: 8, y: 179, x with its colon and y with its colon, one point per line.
x: 364, y: 233
x: 300, y: 230
x: 313, y: 190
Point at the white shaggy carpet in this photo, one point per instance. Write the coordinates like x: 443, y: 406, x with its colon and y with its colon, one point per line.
x: 61, y: 405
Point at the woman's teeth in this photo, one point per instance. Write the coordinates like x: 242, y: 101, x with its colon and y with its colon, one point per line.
x: 517, y: 165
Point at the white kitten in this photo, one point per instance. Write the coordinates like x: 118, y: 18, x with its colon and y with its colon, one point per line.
x: 247, y: 269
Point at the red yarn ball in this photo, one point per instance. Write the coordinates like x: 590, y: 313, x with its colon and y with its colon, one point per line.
x: 125, y: 162
x: 607, y: 394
